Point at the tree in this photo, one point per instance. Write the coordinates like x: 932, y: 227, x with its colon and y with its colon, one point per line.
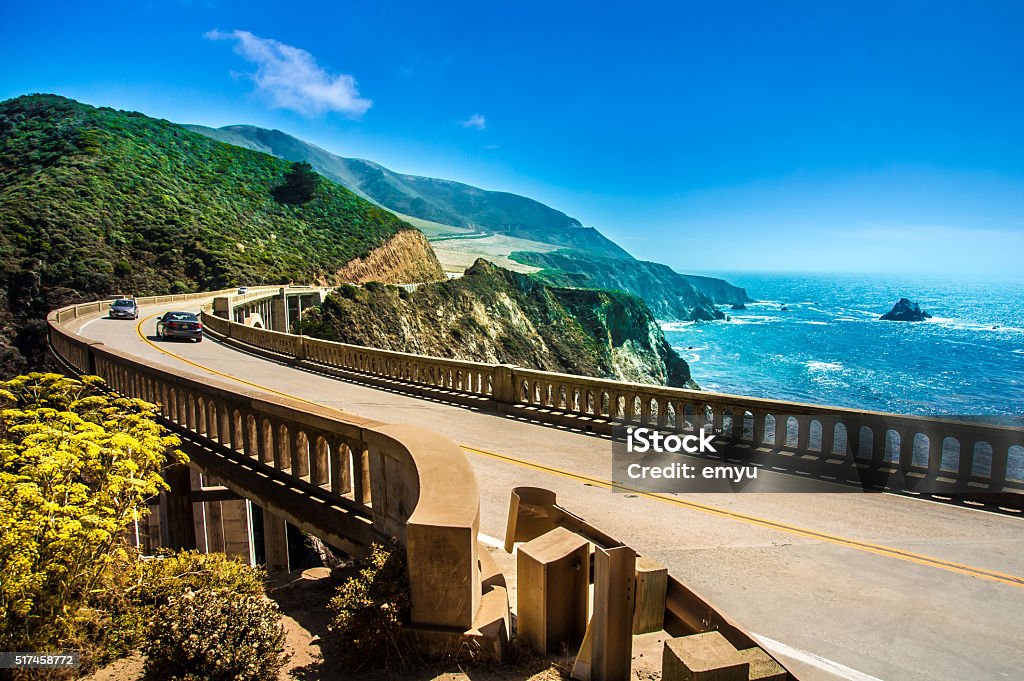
x: 299, y: 184
x: 76, y: 468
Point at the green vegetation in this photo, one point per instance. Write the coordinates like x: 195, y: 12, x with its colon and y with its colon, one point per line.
x: 215, y: 635
x: 438, y: 201
x: 299, y: 185
x: 670, y: 295
x: 76, y: 470
x: 368, y: 610
x: 96, y: 202
x: 494, y: 315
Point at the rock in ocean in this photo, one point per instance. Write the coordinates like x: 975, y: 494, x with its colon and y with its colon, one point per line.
x: 906, y: 311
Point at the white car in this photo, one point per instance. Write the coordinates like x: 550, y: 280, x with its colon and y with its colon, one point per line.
x: 242, y: 290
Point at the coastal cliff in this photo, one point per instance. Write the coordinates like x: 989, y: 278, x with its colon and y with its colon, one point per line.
x: 670, y: 295
x: 404, y: 258
x: 494, y: 315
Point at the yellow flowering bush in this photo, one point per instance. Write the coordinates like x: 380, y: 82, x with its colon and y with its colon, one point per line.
x: 76, y: 468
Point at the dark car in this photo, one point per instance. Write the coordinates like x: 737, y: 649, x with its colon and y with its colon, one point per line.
x: 179, y: 325
x: 124, y: 308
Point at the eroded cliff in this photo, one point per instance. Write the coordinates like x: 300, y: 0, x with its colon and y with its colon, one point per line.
x: 494, y: 315
x: 405, y: 258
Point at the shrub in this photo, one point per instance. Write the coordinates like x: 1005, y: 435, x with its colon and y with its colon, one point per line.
x: 215, y: 635
x: 76, y: 468
x: 369, y: 609
x: 145, y: 585
x: 170, y: 574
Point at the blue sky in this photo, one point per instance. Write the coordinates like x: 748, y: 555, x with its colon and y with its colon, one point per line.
x: 711, y: 136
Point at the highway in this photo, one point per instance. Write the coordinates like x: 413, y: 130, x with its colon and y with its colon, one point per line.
x: 854, y: 586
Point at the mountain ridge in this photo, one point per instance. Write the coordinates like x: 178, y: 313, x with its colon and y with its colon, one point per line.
x: 444, y: 201
x: 485, y: 232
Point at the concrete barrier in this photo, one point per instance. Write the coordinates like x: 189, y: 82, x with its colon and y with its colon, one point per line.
x: 942, y: 455
x: 349, y: 480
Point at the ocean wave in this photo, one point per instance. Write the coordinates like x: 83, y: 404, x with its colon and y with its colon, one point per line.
x: 674, y: 326
x: 753, y: 319
x: 817, y: 365
x: 814, y: 323
x: 869, y: 314
x: 965, y: 325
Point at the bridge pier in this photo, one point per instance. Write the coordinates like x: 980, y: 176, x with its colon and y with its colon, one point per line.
x: 177, y: 523
x: 279, y: 313
x: 275, y: 542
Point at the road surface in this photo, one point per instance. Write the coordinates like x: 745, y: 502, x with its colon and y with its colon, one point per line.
x: 853, y: 586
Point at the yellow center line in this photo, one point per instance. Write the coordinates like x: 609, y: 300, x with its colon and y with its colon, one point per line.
x: 138, y: 330
x: 877, y: 549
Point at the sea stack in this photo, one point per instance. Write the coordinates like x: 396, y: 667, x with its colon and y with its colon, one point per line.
x: 906, y: 311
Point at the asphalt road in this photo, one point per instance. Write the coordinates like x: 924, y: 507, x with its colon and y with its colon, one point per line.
x: 854, y: 586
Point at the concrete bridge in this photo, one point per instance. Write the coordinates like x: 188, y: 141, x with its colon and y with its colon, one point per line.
x: 854, y: 586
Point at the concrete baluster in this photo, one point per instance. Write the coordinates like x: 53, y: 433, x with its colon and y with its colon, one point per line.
x: 300, y: 454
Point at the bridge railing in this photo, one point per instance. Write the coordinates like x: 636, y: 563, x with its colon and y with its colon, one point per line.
x: 302, y: 460
x: 951, y: 454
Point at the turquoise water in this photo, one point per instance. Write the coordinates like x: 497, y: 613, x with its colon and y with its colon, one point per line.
x: 830, y: 347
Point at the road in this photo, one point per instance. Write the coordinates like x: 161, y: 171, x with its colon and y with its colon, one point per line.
x: 853, y: 586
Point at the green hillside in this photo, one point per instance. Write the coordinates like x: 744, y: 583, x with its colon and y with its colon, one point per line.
x: 95, y: 202
x: 427, y: 198
x: 669, y: 294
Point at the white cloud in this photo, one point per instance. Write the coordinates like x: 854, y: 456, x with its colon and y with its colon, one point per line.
x: 475, y: 121
x: 291, y: 79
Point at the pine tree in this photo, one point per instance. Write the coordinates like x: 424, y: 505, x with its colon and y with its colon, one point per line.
x: 299, y: 184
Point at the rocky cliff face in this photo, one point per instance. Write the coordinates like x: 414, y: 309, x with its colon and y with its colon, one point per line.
x: 405, y: 258
x: 670, y: 295
x: 494, y: 315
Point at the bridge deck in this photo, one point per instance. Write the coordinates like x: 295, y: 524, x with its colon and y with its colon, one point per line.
x: 843, y: 585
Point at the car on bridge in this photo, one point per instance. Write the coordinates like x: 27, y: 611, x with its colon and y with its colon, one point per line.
x: 175, y: 325
x: 242, y: 290
x: 124, y: 308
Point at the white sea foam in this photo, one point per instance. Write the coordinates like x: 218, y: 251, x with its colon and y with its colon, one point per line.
x: 815, y: 323
x: 756, y: 319
x: 675, y: 326
x: 964, y: 325
x: 814, y: 365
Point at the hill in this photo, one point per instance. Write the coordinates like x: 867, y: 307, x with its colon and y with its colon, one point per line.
x: 495, y: 315
x: 669, y: 294
x: 440, y: 201
x: 96, y: 202
x: 465, y: 222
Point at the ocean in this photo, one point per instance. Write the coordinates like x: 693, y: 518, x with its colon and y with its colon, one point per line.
x: 831, y: 348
